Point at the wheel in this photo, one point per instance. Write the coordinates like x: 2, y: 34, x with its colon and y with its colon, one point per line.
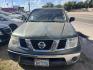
x: 13, y: 26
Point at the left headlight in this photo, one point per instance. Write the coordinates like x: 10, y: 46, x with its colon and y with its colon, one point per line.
x: 1, y: 33
x: 14, y: 41
x: 72, y: 42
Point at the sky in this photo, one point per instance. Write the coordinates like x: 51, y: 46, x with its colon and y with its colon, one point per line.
x: 34, y: 3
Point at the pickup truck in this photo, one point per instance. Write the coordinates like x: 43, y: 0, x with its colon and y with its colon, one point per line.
x: 46, y: 39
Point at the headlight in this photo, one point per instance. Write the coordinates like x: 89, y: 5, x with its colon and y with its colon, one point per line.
x: 1, y: 33
x: 14, y: 41
x: 72, y: 42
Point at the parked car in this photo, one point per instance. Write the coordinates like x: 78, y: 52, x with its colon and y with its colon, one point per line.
x: 11, y: 22
x: 16, y: 16
x: 12, y: 15
x: 5, y: 33
x: 47, y: 39
x: 5, y: 13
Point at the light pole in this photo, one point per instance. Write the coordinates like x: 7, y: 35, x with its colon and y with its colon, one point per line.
x: 29, y: 5
x: 12, y: 3
x: 5, y: 3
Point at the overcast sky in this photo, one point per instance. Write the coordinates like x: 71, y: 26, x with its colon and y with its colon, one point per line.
x: 34, y: 3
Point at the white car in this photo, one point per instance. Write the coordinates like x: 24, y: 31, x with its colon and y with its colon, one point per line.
x: 16, y: 16
x: 13, y: 23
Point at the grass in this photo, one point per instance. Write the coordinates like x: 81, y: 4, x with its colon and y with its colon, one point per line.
x: 5, y: 62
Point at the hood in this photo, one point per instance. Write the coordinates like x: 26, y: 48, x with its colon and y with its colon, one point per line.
x: 3, y: 26
x: 16, y: 20
x: 45, y: 30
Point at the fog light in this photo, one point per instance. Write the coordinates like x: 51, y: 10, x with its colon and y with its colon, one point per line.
x: 74, y: 59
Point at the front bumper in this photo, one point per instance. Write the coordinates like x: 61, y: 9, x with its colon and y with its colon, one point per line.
x: 54, y: 59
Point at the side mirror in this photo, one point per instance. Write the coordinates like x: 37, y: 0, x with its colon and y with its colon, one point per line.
x: 72, y: 19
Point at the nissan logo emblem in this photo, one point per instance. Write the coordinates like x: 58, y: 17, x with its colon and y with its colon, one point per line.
x: 41, y: 45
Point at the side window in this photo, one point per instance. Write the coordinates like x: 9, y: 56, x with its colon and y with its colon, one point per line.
x: 3, y: 19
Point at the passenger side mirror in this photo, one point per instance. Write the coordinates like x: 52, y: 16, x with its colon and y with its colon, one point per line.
x: 72, y: 19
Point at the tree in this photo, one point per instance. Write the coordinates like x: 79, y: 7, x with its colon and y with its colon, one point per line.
x: 74, y: 5
x: 80, y: 5
x: 70, y: 5
x: 59, y: 6
x: 88, y: 4
x: 48, y: 5
x: 91, y: 3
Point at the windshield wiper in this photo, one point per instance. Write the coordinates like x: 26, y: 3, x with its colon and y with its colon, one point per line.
x: 47, y: 21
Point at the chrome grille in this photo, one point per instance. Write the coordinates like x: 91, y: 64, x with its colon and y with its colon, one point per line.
x: 48, y: 44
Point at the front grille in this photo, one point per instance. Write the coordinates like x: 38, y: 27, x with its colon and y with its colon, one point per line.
x: 34, y: 44
x: 48, y: 44
x: 62, y: 44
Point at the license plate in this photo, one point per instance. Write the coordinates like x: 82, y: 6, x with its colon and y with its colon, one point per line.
x: 41, y: 62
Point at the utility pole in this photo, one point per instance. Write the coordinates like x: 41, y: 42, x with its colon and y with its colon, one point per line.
x: 5, y: 3
x: 12, y: 3
x: 29, y: 5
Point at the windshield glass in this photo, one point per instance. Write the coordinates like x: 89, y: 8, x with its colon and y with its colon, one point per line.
x: 47, y: 15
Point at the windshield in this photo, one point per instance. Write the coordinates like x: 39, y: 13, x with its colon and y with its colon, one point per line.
x: 47, y: 15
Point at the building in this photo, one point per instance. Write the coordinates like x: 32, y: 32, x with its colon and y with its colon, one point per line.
x: 15, y: 9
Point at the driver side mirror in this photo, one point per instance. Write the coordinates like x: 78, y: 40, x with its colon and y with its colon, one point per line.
x: 72, y: 19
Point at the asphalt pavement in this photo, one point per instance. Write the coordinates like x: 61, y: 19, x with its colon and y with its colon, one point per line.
x: 83, y: 22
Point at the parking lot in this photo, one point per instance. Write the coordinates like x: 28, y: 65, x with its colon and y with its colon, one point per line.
x: 83, y: 24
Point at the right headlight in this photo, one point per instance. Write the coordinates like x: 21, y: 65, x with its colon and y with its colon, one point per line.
x: 72, y: 42
x: 14, y: 41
